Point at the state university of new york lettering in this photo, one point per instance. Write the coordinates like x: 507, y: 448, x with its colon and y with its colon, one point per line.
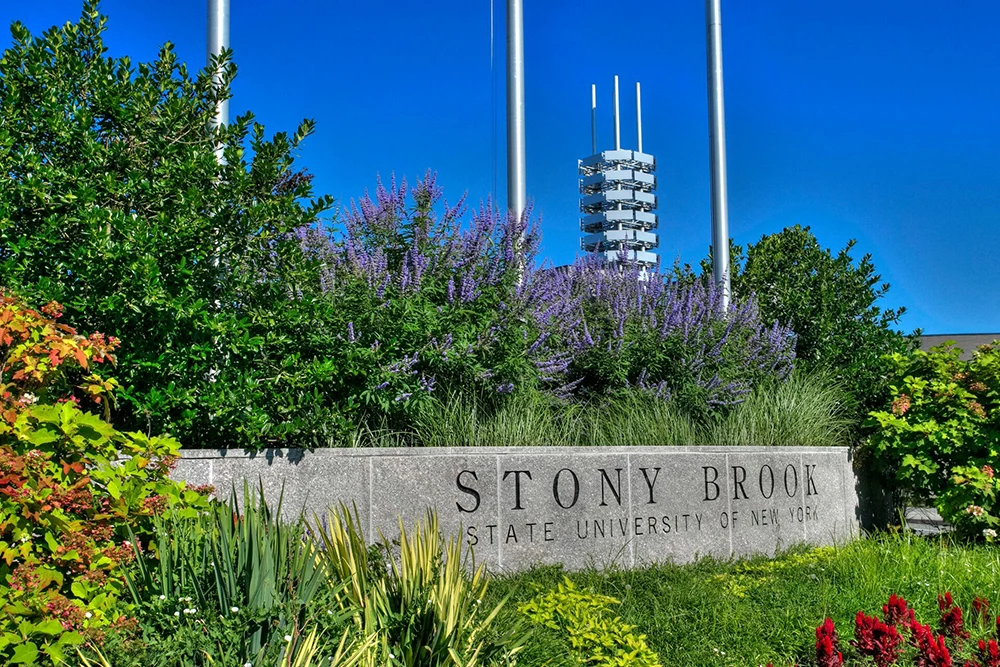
x: 528, y: 506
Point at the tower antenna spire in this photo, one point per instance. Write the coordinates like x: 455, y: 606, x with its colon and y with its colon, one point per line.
x: 618, y: 135
x: 593, y: 118
x: 638, y: 116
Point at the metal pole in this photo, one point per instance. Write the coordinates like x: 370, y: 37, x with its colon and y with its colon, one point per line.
x: 516, y: 179
x: 218, y: 39
x: 593, y: 119
x: 638, y: 115
x: 717, y: 150
x: 618, y: 135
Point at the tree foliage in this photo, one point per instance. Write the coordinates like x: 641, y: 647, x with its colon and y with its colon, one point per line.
x: 116, y: 206
x: 831, y: 302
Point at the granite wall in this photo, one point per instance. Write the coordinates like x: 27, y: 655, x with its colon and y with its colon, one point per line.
x: 519, y: 506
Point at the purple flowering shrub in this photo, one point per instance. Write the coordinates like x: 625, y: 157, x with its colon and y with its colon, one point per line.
x: 414, y: 299
x: 662, y: 335
x: 425, y: 305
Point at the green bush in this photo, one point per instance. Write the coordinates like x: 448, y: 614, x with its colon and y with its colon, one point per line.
x: 114, y: 204
x: 940, y: 438
x: 831, y: 302
x: 592, y: 636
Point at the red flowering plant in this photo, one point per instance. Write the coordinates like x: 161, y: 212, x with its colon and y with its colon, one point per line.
x: 828, y: 646
x: 940, y: 437
x: 72, y: 488
x: 899, y: 639
x: 876, y: 639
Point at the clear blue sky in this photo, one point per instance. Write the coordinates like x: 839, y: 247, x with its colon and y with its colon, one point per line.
x: 869, y: 120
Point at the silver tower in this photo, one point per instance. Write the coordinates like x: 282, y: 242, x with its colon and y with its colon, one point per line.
x: 616, y: 195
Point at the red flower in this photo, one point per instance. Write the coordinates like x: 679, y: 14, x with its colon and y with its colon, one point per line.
x: 951, y: 618
x: 989, y: 653
x: 931, y: 650
x: 827, y: 653
x: 897, y: 611
x: 874, y: 638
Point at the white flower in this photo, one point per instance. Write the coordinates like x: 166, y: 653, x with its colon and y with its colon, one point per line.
x: 177, y: 613
x: 247, y: 664
x: 234, y: 609
x: 28, y: 399
x: 989, y: 532
x: 392, y: 657
x: 288, y: 638
x: 163, y: 597
x: 974, y: 510
x: 88, y: 614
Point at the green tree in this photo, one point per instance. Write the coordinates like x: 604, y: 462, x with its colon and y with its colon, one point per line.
x: 831, y: 303
x: 114, y: 204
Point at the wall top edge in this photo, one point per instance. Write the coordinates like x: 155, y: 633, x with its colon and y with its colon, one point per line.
x: 295, y: 454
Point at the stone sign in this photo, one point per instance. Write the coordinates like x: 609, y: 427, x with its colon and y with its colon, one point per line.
x: 577, y: 506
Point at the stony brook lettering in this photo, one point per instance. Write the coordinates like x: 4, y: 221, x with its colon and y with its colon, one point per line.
x: 619, y: 503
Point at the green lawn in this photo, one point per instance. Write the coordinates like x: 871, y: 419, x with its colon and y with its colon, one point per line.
x: 751, y: 612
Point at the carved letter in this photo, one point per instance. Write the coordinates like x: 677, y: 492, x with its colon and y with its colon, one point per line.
x: 555, y: 488
x: 607, y: 480
x: 468, y: 489
x: 517, y: 485
x: 739, y: 476
x: 715, y: 476
x: 810, y: 484
x: 760, y: 479
x: 795, y: 478
x: 656, y: 473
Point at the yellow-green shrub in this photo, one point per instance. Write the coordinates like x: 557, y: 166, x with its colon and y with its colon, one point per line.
x: 594, y: 636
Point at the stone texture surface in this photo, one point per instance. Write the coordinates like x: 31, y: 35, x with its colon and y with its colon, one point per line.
x: 681, y: 499
x: 572, y: 510
x: 404, y: 487
x: 521, y: 506
x: 768, y: 502
x: 827, y: 493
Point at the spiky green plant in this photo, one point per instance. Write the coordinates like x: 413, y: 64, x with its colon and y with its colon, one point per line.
x: 305, y: 653
x: 236, y: 556
x: 425, y: 604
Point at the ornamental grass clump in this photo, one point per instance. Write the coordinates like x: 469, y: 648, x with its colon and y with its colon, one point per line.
x: 420, y: 597
x: 231, y: 583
